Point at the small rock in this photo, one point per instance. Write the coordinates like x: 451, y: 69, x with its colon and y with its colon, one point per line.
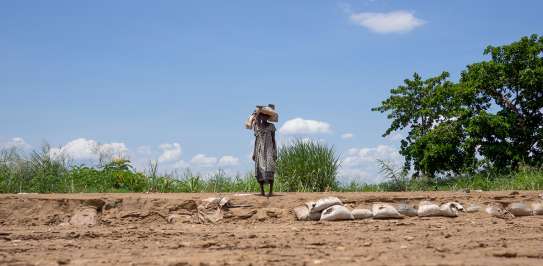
x: 243, y: 214
x: 179, y: 263
x: 84, y: 217
x: 63, y: 261
x: 367, y: 244
x: 409, y: 238
x: 505, y: 254
x: 172, y: 218
x: 273, y: 212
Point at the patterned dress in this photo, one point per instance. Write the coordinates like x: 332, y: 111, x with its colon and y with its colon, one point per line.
x: 265, y: 152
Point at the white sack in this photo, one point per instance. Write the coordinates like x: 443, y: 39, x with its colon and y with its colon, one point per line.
x: 537, y: 208
x: 310, y: 205
x: 336, y: 213
x: 498, y: 212
x: 427, y: 209
x: 519, y: 209
x: 314, y: 216
x: 473, y: 208
x: 451, y: 209
x: 302, y: 213
x: 407, y: 210
x: 384, y: 211
x: 324, y: 203
x: 361, y: 214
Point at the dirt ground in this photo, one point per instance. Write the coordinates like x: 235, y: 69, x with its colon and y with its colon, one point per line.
x: 161, y: 229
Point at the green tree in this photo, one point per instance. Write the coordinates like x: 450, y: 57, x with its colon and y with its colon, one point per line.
x: 512, y: 81
x: 429, y: 109
x: 494, y: 114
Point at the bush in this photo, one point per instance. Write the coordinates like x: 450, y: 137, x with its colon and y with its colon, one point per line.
x: 307, y: 166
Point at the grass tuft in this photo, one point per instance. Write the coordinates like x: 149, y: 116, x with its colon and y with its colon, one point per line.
x: 307, y: 166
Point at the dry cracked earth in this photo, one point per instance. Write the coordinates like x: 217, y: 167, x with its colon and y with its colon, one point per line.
x: 164, y: 229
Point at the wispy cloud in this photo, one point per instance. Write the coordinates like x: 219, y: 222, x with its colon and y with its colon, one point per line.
x: 347, y: 135
x: 390, y: 22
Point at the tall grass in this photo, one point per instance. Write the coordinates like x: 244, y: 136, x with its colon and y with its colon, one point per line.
x: 303, y: 167
x: 307, y: 166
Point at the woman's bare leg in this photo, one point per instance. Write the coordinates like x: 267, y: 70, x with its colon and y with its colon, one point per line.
x: 261, y: 188
x: 270, y: 193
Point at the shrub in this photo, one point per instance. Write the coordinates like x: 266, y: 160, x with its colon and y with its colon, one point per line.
x: 307, y: 166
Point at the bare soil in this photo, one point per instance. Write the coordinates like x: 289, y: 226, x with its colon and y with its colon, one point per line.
x: 161, y: 229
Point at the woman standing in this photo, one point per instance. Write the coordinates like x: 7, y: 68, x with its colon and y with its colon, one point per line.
x: 265, y: 150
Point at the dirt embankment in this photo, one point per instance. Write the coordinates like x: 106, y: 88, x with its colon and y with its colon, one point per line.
x: 169, y: 229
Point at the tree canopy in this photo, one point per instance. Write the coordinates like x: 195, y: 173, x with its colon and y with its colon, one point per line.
x: 491, y: 118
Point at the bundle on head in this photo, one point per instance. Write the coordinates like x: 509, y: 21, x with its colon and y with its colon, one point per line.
x: 269, y: 111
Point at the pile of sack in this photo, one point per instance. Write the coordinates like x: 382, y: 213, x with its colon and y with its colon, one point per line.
x: 332, y: 209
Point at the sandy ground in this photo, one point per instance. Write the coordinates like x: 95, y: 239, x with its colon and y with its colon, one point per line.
x: 160, y: 229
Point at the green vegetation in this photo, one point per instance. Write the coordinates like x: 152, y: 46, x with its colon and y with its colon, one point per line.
x: 526, y: 179
x: 490, y: 121
x: 40, y: 173
x: 307, y: 166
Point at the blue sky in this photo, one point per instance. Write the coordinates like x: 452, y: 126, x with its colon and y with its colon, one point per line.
x: 174, y: 81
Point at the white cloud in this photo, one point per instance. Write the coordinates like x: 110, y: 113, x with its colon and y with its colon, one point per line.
x: 391, y: 22
x: 17, y: 143
x: 88, y: 149
x: 203, y: 160
x: 170, y: 152
x: 361, y: 165
x: 394, y: 136
x: 348, y: 175
x: 363, y: 155
x: 114, y: 149
x: 144, y: 150
x: 347, y: 135
x: 228, y: 160
x: 302, y: 126
x: 180, y: 164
